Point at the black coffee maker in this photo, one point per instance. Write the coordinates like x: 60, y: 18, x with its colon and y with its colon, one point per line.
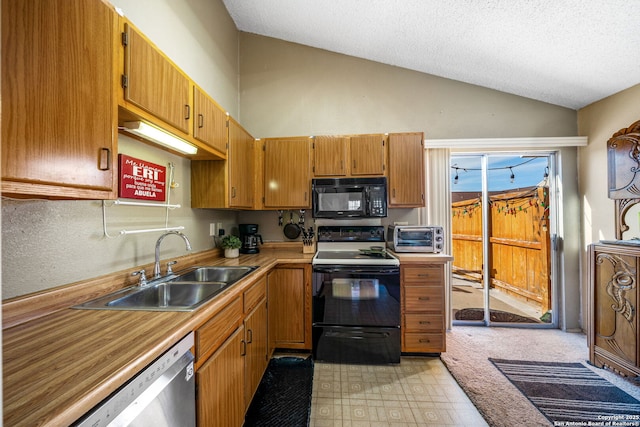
x: 250, y: 238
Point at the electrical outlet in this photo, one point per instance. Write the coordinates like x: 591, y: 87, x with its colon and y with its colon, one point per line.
x: 212, y: 229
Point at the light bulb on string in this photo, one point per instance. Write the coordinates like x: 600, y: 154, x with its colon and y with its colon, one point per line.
x: 546, y: 172
x: 512, y: 177
x: 455, y: 179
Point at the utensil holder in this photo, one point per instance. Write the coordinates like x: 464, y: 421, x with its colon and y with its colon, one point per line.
x: 309, y: 248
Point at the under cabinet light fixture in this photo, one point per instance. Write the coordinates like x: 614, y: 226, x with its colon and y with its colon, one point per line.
x: 159, y: 136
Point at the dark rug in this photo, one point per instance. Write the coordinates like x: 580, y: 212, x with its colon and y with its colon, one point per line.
x: 494, y: 316
x: 569, y: 393
x: 283, y: 397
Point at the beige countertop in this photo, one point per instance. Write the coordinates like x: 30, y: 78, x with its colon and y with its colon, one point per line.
x: 59, y: 366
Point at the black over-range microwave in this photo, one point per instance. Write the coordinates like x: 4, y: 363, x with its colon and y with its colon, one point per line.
x: 349, y: 197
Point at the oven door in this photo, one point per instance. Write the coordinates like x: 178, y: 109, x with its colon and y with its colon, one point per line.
x: 356, y: 314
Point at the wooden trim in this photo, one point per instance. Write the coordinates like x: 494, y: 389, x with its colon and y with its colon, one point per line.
x: 508, y: 143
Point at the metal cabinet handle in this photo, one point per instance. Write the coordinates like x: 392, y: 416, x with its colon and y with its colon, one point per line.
x: 243, y: 348
x: 200, y: 120
x: 250, y: 333
x: 187, y: 111
x: 104, y: 163
x: 424, y: 298
x: 425, y: 341
x: 425, y: 322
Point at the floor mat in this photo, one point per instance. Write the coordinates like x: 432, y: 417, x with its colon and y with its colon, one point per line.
x: 494, y: 316
x: 571, y: 392
x: 283, y: 397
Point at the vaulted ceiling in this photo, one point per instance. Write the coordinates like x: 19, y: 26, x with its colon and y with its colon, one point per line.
x: 565, y: 52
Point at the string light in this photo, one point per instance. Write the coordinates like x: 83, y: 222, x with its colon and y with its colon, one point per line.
x: 546, y: 172
x: 511, y: 178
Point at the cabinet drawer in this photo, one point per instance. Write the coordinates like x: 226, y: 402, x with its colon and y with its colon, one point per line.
x: 254, y: 295
x: 423, y: 342
x: 217, y: 329
x: 423, y: 298
x: 424, y: 322
x: 424, y: 274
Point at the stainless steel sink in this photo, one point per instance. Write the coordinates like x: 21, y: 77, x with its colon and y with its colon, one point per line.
x: 213, y: 274
x: 182, y: 291
x: 167, y: 295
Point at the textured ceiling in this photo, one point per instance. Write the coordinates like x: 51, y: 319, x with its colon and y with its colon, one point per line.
x: 565, y: 52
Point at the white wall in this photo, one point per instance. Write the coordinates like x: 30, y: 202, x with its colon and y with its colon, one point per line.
x: 289, y: 90
x: 599, y: 121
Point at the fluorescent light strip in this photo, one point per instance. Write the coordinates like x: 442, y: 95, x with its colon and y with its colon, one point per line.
x: 159, y: 136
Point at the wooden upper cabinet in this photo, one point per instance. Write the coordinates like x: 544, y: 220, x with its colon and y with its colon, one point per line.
x: 226, y: 183
x: 406, y: 170
x: 330, y: 155
x: 152, y: 83
x: 287, y: 173
x: 210, y: 121
x: 241, y: 164
x: 367, y: 154
x: 59, y: 113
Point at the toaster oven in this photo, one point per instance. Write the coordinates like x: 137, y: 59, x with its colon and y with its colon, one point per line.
x: 415, y: 238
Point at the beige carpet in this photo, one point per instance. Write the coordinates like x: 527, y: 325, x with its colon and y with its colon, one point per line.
x: 499, y: 402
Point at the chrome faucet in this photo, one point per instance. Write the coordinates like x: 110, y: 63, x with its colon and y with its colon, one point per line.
x: 156, y: 266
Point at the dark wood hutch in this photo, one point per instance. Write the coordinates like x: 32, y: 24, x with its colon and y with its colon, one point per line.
x: 613, y: 266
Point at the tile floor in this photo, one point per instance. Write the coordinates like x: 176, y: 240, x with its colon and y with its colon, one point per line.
x: 417, y: 392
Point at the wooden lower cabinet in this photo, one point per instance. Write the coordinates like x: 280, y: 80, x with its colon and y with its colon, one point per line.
x: 220, y: 382
x: 613, y: 303
x: 423, y: 308
x: 289, y: 302
x: 231, y: 357
x: 255, y: 326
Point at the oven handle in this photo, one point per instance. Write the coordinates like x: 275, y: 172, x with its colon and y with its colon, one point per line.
x: 356, y: 270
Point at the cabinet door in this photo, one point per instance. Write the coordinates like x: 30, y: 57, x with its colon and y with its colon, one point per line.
x: 241, y: 164
x: 367, y: 154
x: 210, y: 124
x: 153, y: 83
x: 330, y: 155
x: 287, y: 173
x: 221, y: 385
x: 289, y: 296
x: 59, y: 112
x: 615, y: 298
x: 406, y: 170
x: 256, y: 359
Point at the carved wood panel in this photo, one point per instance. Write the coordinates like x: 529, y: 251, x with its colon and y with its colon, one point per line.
x: 616, y: 304
x: 623, y: 155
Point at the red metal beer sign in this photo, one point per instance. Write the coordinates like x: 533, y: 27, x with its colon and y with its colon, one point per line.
x: 141, y: 180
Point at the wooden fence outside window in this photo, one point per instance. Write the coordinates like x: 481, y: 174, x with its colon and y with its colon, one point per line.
x: 519, y: 249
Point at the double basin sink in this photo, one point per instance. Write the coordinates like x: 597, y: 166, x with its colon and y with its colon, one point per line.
x: 181, y: 291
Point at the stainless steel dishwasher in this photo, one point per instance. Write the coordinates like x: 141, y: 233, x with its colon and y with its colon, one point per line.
x: 162, y: 395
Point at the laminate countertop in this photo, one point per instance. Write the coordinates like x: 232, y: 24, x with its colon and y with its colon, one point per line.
x: 58, y: 367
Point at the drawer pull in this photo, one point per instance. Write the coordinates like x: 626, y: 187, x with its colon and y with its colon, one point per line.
x: 425, y: 322
x: 424, y: 298
x: 425, y: 340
